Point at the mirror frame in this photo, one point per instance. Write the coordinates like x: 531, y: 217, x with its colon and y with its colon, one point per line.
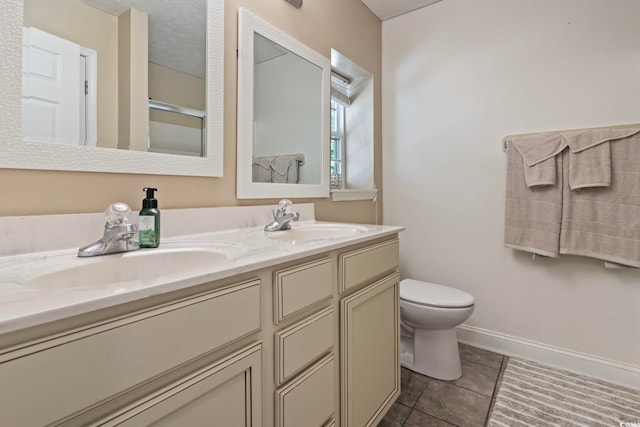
x: 248, y: 24
x: 20, y: 154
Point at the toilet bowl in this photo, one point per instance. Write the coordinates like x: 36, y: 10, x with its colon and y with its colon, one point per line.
x: 429, y: 313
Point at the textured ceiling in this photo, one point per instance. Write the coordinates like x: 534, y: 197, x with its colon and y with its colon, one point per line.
x: 385, y: 9
x: 177, y: 30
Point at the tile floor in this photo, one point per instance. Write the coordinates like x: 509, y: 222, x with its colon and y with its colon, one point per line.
x: 465, y: 402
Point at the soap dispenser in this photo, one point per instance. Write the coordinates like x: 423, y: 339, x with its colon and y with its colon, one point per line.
x: 149, y: 221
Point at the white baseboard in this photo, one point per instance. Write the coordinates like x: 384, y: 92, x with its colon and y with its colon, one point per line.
x: 584, y: 364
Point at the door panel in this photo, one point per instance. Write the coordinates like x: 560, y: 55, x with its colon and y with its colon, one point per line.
x: 50, y: 98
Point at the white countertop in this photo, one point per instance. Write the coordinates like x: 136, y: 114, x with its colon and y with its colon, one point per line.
x: 247, y: 249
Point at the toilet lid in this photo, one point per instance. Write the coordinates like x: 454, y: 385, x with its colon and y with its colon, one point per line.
x: 434, y: 295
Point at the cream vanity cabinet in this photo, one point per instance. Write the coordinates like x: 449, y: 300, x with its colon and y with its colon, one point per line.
x: 311, y: 342
x: 191, y: 360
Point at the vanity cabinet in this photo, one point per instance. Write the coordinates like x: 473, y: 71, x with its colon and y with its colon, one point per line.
x: 312, y: 342
x: 67, y: 375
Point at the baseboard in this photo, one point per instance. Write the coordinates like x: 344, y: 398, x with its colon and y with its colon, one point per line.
x: 607, y: 370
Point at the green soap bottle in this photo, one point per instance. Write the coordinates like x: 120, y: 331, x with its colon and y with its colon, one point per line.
x: 149, y: 221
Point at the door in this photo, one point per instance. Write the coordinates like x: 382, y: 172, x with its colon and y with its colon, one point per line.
x: 50, y: 98
x: 370, y: 350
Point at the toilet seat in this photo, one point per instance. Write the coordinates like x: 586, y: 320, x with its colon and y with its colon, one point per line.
x: 433, y: 295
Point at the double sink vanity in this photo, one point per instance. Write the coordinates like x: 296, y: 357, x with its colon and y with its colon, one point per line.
x: 222, y: 325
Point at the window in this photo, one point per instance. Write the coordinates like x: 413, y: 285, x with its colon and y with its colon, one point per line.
x: 337, y: 145
x: 351, y: 131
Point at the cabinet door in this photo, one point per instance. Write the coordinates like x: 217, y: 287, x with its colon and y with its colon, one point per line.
x: 226, y: 393
x: 370, y: 346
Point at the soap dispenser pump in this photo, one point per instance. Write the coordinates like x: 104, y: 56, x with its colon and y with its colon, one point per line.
x: 149, y: 221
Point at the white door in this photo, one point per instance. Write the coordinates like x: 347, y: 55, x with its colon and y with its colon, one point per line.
x: 50, y: 99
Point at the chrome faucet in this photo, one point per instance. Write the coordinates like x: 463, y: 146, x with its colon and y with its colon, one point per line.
x: 283, y: 216
x: 118, y: 233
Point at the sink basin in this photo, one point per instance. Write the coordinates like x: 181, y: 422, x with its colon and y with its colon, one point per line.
x: 308, y: 232
x: 128, y: 268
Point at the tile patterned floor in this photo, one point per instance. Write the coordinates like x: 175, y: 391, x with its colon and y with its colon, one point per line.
x: 465, y: 402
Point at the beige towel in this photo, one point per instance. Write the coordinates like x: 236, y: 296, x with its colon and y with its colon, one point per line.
x: 604, y: 223
x: 538, y: 152
x: 261, y: 169
x: 285, y: 169
x: 591, y: 167
x: 614, y: 266
x: 278, y: 169
x: 532, y: 215
x: 589, y: 158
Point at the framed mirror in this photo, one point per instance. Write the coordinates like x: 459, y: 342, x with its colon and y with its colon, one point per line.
x: 283, y: 114
x: 108, y: 86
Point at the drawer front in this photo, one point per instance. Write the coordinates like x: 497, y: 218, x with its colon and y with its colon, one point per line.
x: 302, y: 343
x: 74, y: 371
x: 366, y: 264
x: 228, y: 391
x: 308, y: 400
x: 300, y: 287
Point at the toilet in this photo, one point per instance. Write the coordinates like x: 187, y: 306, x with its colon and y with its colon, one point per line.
x: 428, y: 315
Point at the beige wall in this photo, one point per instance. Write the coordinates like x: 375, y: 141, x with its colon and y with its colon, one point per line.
x: 133, y: 80
x: 346, y: 25
x: 176, y: 87
x: 93, y: 29
x: 470, y: 73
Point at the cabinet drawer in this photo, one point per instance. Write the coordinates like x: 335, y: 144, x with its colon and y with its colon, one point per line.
x: 308, y: 400
x: 72, y: 371
x: 228, y: 391
x: 366, y: 264
x: 302, y: 343
x: 300, y: 287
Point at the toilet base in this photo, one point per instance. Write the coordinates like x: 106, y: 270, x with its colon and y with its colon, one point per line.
x: 433, y: 353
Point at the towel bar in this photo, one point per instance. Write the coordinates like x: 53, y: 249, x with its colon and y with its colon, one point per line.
x: 506, y: 139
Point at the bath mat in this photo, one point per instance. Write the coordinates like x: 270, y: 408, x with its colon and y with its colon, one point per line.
x: 531, y: 394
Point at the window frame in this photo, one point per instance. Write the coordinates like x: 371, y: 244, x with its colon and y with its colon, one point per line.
x: 340, y: 134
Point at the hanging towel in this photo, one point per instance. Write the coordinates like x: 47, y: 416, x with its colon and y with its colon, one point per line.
x: 285, y: 169
x: 532, y: 215
x: 538, y: 152
x: 261, y: 169
x: 589, y: 158
x: 604, y: 223
x: 278, y: 169
x: 614, y: 266
x: 591, y: 167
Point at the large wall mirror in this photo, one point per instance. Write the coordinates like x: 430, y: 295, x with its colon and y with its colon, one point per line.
x: 283, y: 114
x: 128, y: 86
